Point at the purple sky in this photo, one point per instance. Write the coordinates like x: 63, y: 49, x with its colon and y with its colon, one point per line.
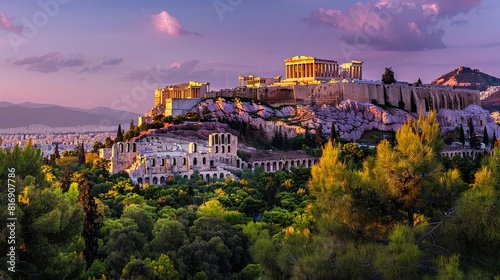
x: 113, y: 53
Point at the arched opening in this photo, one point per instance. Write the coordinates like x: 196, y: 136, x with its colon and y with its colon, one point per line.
x: 184, y: 161
x: 121, y: 148
x: 208, y: 178
x: 216, y: 149
x: 274, y: 166
x: 162, y: 180
x: 221, y: 176
x: 268, y: 167
x: 222, y: 139
x: 146, y: 180
x: 134, y: 147
x: 204, y: 161
x: 155, y: 181
x: 229, y: 138
x: 174, y: 162
x: 222, y: 149
x: 216, y: 137
x: 238, y: 162
x: 139, y: 181
x: 195, y: 161
x: 228, y: 149
x: 128, y: 147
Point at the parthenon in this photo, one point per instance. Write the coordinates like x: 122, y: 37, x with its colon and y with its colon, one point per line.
x: 312, y: 70
x: 300, y: 67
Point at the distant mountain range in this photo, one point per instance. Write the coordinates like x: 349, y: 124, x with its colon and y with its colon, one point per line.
x: 24, y: 114
x: 466, y: 77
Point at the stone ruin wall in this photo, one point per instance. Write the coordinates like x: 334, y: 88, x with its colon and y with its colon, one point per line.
x: 414, y: 97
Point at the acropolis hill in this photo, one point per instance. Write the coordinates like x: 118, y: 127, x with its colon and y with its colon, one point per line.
x: 322, y: 93
x: 313, y: 81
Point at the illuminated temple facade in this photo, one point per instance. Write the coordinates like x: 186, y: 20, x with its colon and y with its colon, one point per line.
x: 312, y: 70
x: 188, y: 90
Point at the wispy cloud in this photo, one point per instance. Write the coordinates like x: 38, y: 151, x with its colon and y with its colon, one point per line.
x: 6, y: 24
x: 106, y: 64
x: 51, y: 62
x: 402, y: 25
x: 168, y: 24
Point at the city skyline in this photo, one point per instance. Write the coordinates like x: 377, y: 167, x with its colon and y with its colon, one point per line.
x: 113, y: 54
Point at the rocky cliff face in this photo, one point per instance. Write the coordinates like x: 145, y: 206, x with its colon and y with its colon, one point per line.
x: 450, y: 119
x: 490, y: 99
x: 351, y: 118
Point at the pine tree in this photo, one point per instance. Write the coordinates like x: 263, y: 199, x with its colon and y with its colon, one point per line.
x: 119, y: 134
x: 93, y: 222
x: 131, y: 124
x: 388, y: 76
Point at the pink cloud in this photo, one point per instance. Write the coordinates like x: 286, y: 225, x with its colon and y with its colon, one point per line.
x: 166, y: 23
x: 6, y: 24
x: 403, y: 25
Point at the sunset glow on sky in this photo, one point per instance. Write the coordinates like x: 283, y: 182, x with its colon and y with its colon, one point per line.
x: 114, y: 53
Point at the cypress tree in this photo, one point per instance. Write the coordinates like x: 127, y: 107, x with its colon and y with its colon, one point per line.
x: 119, y: 134
x: 56, y: 151
x: 66, y: 179
x: 92, y: 223
x: 485, y: 137
x: 462, y: 135
x: 81, y: 155
x: 333, y: 133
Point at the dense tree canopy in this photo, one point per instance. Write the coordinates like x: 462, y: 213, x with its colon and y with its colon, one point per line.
x: 400, y: 212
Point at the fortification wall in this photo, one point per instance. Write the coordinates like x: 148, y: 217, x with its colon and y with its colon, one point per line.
x: 410, y: 97
x: 277, y: 95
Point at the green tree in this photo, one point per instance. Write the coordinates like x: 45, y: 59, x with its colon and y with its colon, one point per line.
x: 401, y: 258
x: 109, y: 142
x: 333, y: 133
x: 119, y: 134
x: 81, y: 154
x: 56, y: 151
x: 168, y: 236
x: 388, y: 76
x: 318, y: 136
x: 164, y: 268
x: 98, y: 145
x: 462, y: 135
x: 485, y: 137
x: 137, y: 269
x: 409, y: 174
x: 93, y: 219
x: 51, y: 244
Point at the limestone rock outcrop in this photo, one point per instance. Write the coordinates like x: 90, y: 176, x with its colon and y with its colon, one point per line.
x: 351, y: 118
